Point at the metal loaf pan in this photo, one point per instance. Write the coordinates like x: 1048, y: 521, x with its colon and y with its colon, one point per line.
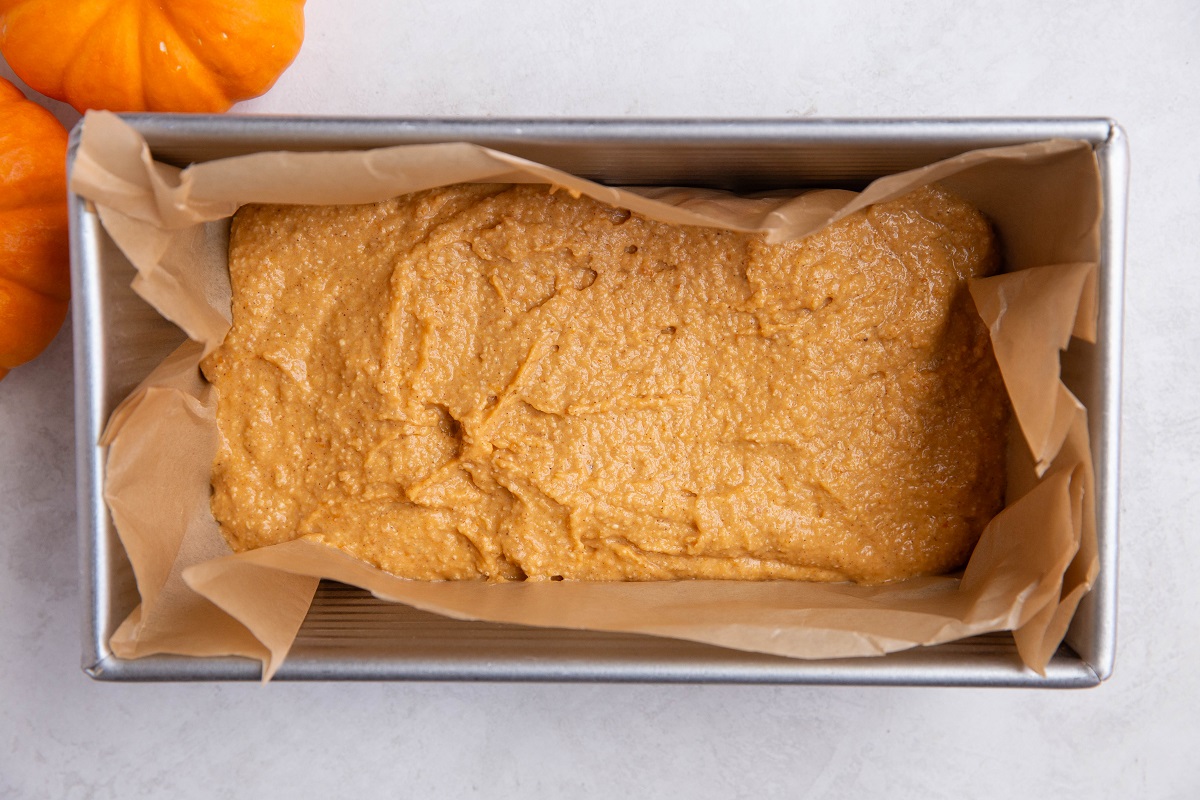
x: 348, y: 635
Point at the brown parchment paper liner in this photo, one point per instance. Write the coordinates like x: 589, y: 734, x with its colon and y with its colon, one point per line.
x: 1027, y: 574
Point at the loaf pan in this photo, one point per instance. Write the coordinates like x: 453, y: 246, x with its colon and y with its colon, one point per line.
x: 348, y: 635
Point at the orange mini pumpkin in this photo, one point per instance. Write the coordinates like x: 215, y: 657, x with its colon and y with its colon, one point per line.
x: 151, y: 55
x: 35, y: 280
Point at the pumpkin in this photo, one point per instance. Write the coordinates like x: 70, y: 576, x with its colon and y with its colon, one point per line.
x: 34, y: 274
x: 151, y: 55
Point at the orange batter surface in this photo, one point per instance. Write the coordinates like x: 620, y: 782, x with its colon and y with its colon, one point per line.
x: 506, y: 383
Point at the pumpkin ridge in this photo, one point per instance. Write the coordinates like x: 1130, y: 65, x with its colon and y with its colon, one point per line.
x: 47, y: 202
x: 144, y: 52
x: 31, y: 191
x: 77, y: 63
x: 169, y: 12
x: 232, y: 87
x: 108, y: 10
x: 87, y: 35
x: 213, y: 84
x: 139, y: 26
x: 10, y: 283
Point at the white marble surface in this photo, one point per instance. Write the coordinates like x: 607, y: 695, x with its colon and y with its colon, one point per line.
x: 62, y: 735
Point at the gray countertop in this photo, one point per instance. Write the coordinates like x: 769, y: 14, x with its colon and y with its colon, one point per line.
x: 61, y: 735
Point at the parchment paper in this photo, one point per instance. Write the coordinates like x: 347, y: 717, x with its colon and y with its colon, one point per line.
x: 1027, y: 574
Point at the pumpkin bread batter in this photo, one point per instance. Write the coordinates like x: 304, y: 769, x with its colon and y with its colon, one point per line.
x: 507, y: 382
